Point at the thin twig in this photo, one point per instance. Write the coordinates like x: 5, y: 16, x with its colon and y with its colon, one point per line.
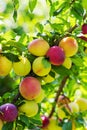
x: 62, y: 85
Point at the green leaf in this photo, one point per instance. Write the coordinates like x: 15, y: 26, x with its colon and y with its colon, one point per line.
x: 67, y: 126
x: 60, y: 9
x: 12, y: 57
x: 40, y: 27
x: 46, y: 63
x: 25, y: 119
x: 61, y: 70
x: 8, y: 126
x: 32, y: 4
x: 9, y: 35
x: 16, y: 4
x: 15, y: 15
x: 77, y: 60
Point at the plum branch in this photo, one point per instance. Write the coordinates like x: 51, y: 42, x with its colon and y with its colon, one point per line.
x: 62, y: 85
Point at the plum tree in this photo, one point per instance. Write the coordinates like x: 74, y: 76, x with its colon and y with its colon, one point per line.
x: 43, y: 65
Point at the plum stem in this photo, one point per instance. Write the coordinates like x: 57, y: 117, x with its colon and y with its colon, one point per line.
x: 62, y: 85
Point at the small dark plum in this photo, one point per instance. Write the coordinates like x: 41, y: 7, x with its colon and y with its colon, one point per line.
x: 84, y: 28
x: 8, y: 112
x: 45, y: 121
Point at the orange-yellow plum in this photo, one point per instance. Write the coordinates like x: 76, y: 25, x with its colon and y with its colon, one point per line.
x: 41, y: 66
x: 69, y: 45
x: 22, y: 67
x: 38, y: 47
x: 30, y: 88
x: 5, y: 65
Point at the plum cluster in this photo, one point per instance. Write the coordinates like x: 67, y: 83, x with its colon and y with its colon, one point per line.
x: 45, y: 57
x: 30, y: 86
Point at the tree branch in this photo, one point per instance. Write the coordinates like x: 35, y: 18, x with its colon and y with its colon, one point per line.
x: 62, y: 85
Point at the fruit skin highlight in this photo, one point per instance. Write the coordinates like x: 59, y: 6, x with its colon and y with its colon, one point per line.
x: 8, y: 112
x: 56, y: 55
x: 41, y: 66
x: 5, y: 65
x: 69, y: 46
x: 22, y: 67
x: 30, y: 108
x: 38, y: 47
x: 30, y: 88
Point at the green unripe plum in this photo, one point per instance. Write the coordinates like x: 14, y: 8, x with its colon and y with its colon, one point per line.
x: 1, y: 124
x: 41, y: 66
x: 73, y: 107
x: 67, y: 63
x: 61, y: 113
x: 22, y: 67
x: 5, y: 66
x: 48, y: 78
x: 40, y: 97
x: 30, y: 108
x: 82, y: 103
x: 84, y: 4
